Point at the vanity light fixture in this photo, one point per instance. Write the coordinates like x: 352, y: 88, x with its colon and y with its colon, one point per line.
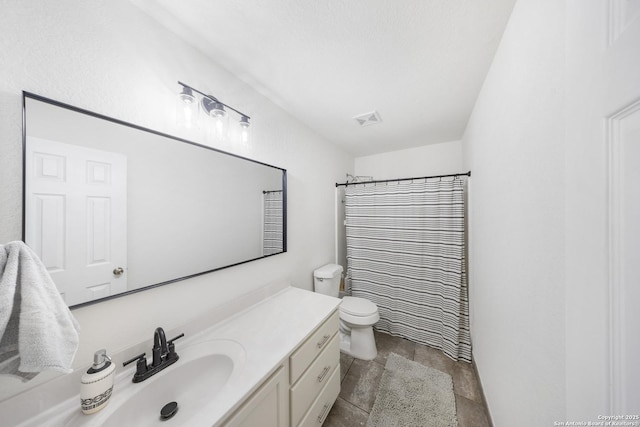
x: 244, y: 129
x: 186, y: 109
x: 216, y: 111
x: 212, y: 107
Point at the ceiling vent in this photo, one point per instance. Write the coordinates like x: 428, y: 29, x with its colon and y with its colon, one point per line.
x: 368, y: 119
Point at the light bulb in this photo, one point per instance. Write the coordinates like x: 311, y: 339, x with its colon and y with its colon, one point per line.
x: 219, y: 116
x: 244, y: 130
x: 219, y: 124
x: 215, y: 110
x: 186, y: 109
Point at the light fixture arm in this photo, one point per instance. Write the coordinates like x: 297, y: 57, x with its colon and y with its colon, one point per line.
x: 214, y: 99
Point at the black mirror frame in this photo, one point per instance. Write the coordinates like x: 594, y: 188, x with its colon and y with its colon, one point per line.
x: 28, y: 95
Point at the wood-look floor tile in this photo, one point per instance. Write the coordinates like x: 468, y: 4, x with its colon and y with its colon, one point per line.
x: 433, y: 358
x: 470, y: 413
x: 465, y: 382
x: 345, y: 364
x: 389, y: 344
x: 361, y: 379
x: 360, y: 385
x: 344, y: 414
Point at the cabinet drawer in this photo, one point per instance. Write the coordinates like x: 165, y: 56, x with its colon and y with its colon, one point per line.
x: 322, y: 405
x: 310, y: 349
x: 311, y: 383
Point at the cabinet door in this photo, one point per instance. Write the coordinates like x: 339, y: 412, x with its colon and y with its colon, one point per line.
x: 268, y: 406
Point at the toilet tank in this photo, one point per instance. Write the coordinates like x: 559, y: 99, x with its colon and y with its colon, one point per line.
x: 326, y: 279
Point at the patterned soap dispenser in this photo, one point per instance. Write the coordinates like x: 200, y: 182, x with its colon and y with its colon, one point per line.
x: 96, y: 384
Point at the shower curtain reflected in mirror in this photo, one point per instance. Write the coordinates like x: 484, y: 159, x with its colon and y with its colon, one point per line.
x: 272, y: 229
x: 406, y: 253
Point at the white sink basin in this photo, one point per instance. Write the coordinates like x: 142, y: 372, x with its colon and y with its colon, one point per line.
x: 193, y: 381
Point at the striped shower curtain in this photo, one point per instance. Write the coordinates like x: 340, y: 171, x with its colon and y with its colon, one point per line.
x: 272, y: 228
x: 406, y: 253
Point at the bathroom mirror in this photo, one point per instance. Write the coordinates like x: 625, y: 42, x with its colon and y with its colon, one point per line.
x: 113, y: 208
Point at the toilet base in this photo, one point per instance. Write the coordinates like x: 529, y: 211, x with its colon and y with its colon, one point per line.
x: 360, y: 343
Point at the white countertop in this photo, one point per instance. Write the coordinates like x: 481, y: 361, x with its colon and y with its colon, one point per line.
x: 268, y: 331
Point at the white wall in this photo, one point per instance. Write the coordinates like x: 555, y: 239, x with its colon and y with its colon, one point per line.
x: 434, y: 159
x: 109, y: 58
x: 514, y: 146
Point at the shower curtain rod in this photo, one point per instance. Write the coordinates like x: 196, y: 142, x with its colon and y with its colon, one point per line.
x: 403, y: 179
x: 271, y: 191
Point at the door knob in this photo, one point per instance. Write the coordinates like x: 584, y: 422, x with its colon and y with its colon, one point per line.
x: 118, y: 271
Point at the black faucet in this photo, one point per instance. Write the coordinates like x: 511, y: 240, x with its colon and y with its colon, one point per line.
x: 164, y: 354
x: 160, y: 348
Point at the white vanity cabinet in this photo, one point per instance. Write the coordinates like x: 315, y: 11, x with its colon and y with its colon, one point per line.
x: 315, y: 375
x: 268, y: 406
x: 286, y: 370
x: 302, y: 391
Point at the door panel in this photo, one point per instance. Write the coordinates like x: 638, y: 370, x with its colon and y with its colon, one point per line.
x: 624, y: 144
x: 621, y: 93
x: 75, y: 185
x: 48, y: 239
x: 602, y: 157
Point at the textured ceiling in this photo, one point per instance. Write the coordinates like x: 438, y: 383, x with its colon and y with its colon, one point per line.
x: 419, y: 63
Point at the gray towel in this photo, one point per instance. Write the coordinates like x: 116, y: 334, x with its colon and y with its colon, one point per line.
x: 37, y: 329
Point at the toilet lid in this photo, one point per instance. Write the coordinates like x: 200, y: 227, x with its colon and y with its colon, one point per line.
x: 358, y: 306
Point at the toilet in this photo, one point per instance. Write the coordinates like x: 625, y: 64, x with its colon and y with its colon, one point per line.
x: 357, y: 315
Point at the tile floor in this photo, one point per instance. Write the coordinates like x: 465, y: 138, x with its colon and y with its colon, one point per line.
x: 360, y: 380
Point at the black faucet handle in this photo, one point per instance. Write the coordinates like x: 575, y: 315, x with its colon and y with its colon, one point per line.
x: 141, y: 365
x: 174, y: 338
x: 138, y: 358
x: 172, y: 348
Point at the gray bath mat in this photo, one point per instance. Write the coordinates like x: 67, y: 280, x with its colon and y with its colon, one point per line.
x: 413, y: 395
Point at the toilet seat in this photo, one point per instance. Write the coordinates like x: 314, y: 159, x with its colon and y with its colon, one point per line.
x: 358, y: 311
x: 358, y: 306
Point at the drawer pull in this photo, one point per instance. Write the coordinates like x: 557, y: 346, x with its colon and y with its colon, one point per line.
x: 324, y: 413
x: 324, y: 373
x: 324, y: 341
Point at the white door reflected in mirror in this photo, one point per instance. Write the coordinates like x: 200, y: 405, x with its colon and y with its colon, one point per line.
x: 76, y: 211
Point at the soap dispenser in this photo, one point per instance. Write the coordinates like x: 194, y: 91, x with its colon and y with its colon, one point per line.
x: 96, y: 384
